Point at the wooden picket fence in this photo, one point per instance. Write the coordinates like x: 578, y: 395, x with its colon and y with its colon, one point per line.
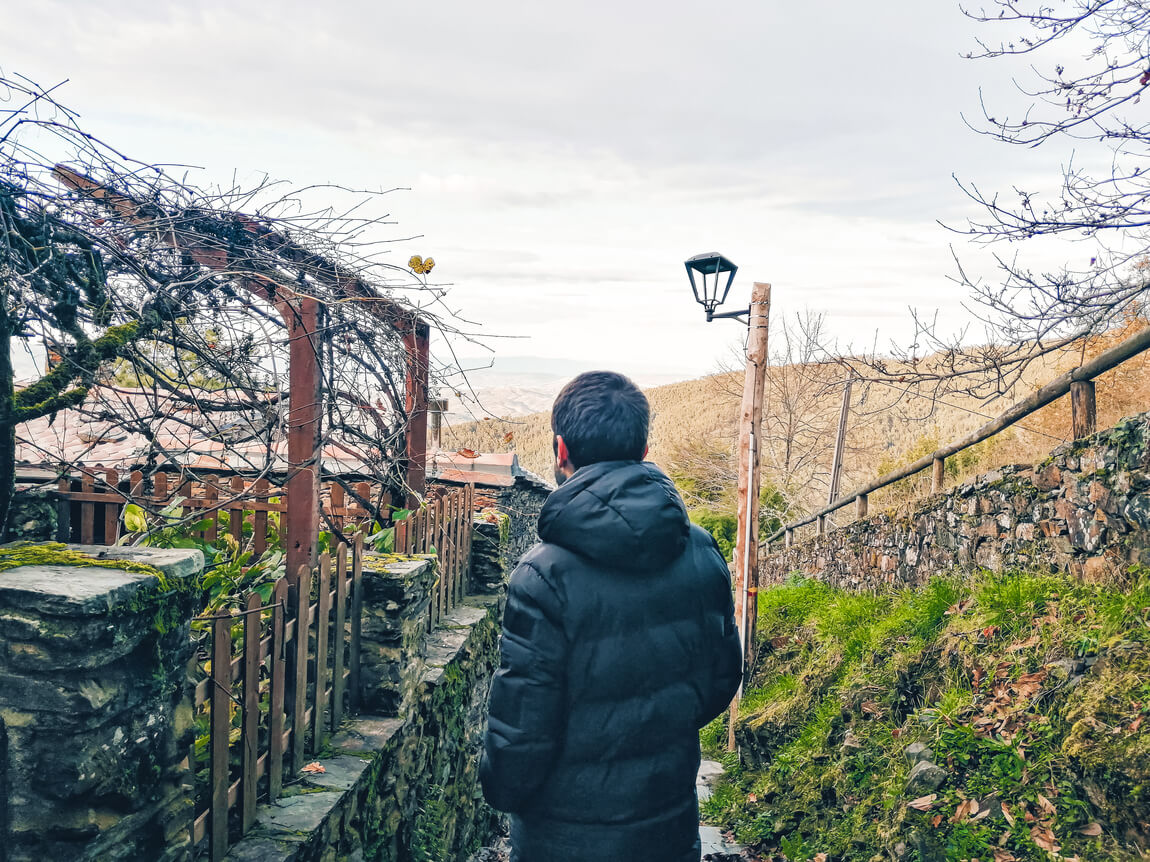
x: 274, y: 693
x: 91, y: 505
x: 442, y: 527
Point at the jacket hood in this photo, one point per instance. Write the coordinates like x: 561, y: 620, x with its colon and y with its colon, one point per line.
x: 621, y: 514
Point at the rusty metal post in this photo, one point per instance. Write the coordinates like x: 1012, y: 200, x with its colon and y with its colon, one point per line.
x: 303, y: 433
x: 416, y: 344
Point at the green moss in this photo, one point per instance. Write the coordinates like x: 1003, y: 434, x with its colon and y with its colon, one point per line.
x: 58, y: 554
x: 992, y: 674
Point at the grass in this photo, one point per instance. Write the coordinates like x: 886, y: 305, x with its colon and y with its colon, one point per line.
x: 1031, y: 689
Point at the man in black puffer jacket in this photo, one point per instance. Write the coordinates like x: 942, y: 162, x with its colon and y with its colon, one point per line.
x: 619, y: 643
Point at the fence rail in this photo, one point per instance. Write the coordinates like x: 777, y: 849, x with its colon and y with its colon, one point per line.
x: 1078, y: 382
x: 92, y: 504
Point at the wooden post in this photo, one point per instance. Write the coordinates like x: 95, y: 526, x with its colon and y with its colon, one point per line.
x: 822, y: 526
x: 417, y: 368
x: 788, y: 539
x: 323, y: 612
x: 750, y: 445
x: 938, y: 475
x: 862, y: 503
x: 1084, y: 420
x: 840, y: 443
x: 276, y: 693
x: 339, y: 641
x: 250, y: 734
x: 220, y: 726
x: 303, y: 433
x: 356, y: 616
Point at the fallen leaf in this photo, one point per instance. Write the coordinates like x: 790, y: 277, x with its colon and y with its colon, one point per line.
x: 1043, y: 836
x: 1046, y: 806
x: 1033, y: 640
x: 752, y: 797
x: 923, y: 803
x: 468, y: 453
x: 820, y: 857
x: 965, y: 810
x: 1007, y: 815
x: 509, y: 436
x: 1092, y: 830
x: 1002, y: 855
x: 1136, y: 723
x: 872, y: 708
x: 314, y: 766
x: 934, y: 821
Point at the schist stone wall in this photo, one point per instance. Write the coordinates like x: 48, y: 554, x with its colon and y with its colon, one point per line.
x: 95, y: 709
x: 1085, y: 510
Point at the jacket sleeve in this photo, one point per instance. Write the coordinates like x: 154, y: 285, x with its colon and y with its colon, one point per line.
x: 726, y: 652
x: 525, y: 711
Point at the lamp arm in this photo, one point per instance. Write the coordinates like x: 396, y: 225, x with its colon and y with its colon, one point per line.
x: 712, y: 315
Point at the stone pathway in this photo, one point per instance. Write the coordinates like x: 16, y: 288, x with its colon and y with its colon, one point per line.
x: 715, y: 847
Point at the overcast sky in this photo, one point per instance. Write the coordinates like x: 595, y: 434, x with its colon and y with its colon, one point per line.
x: 564, y: 159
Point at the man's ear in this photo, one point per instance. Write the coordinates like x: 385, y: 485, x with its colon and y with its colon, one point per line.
x: 646, y: 449
x: 562, y: 456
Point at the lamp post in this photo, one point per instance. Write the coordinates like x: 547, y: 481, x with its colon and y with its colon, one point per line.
x: 715, y: 274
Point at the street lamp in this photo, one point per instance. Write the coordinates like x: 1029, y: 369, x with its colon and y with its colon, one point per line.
x: 713, y: 270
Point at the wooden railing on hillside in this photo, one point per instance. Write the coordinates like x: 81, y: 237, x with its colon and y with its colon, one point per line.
x: 1078, y: 382
x: 91, y: 505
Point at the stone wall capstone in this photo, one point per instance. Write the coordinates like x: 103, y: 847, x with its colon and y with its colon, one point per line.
x: 95, y: 708
x: 1084, y: 510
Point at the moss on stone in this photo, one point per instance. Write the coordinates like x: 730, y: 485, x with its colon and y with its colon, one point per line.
x: 59, y: 554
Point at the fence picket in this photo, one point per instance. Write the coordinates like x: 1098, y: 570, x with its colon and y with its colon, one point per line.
x: 236, y: 510
x: 302, y: 588
x: 276, y: 694
x: 356, y: 615
x: 323, y: 610
x: 339, y: 639
x: 111, y: 508
x: 87, y: 511
x: 250, y: 735
x: 220, y: 726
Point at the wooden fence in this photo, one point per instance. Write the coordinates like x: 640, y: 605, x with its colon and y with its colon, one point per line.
x: 282, y: 675
x: 1078, y: 383
x: 442, y: 527
x: 91, y: 505
x: 254, y: 739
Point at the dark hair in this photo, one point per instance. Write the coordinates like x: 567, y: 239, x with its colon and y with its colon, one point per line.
x: 601, y: 416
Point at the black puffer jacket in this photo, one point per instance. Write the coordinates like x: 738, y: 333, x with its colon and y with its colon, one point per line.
x: 619, y: 643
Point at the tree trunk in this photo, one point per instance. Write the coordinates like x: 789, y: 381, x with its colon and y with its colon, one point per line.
x: 7, y: 426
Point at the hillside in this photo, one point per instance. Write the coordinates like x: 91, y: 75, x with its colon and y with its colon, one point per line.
x: 693, y: 429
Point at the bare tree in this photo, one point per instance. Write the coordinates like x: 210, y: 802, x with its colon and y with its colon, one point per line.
x: 170, y: 300
x: 1089, y: 64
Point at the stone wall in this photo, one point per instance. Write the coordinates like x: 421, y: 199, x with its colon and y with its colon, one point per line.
x: 95, y: 709
x: 1085, y: 509
x: 522, y: 503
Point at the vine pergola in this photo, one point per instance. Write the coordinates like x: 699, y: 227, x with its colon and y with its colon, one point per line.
x: 301, y: 316
x: 194, y: 303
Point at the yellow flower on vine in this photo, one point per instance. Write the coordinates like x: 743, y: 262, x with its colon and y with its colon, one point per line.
x: 419, y: 265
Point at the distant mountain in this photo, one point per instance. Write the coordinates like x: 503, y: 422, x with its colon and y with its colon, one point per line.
x: 511, y: 386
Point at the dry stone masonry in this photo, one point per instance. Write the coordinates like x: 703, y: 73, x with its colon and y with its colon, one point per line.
x: 1085, y: 510
x: 95, y: 708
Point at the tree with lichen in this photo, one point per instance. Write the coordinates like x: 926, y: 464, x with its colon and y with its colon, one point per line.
x: 54, y: 283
